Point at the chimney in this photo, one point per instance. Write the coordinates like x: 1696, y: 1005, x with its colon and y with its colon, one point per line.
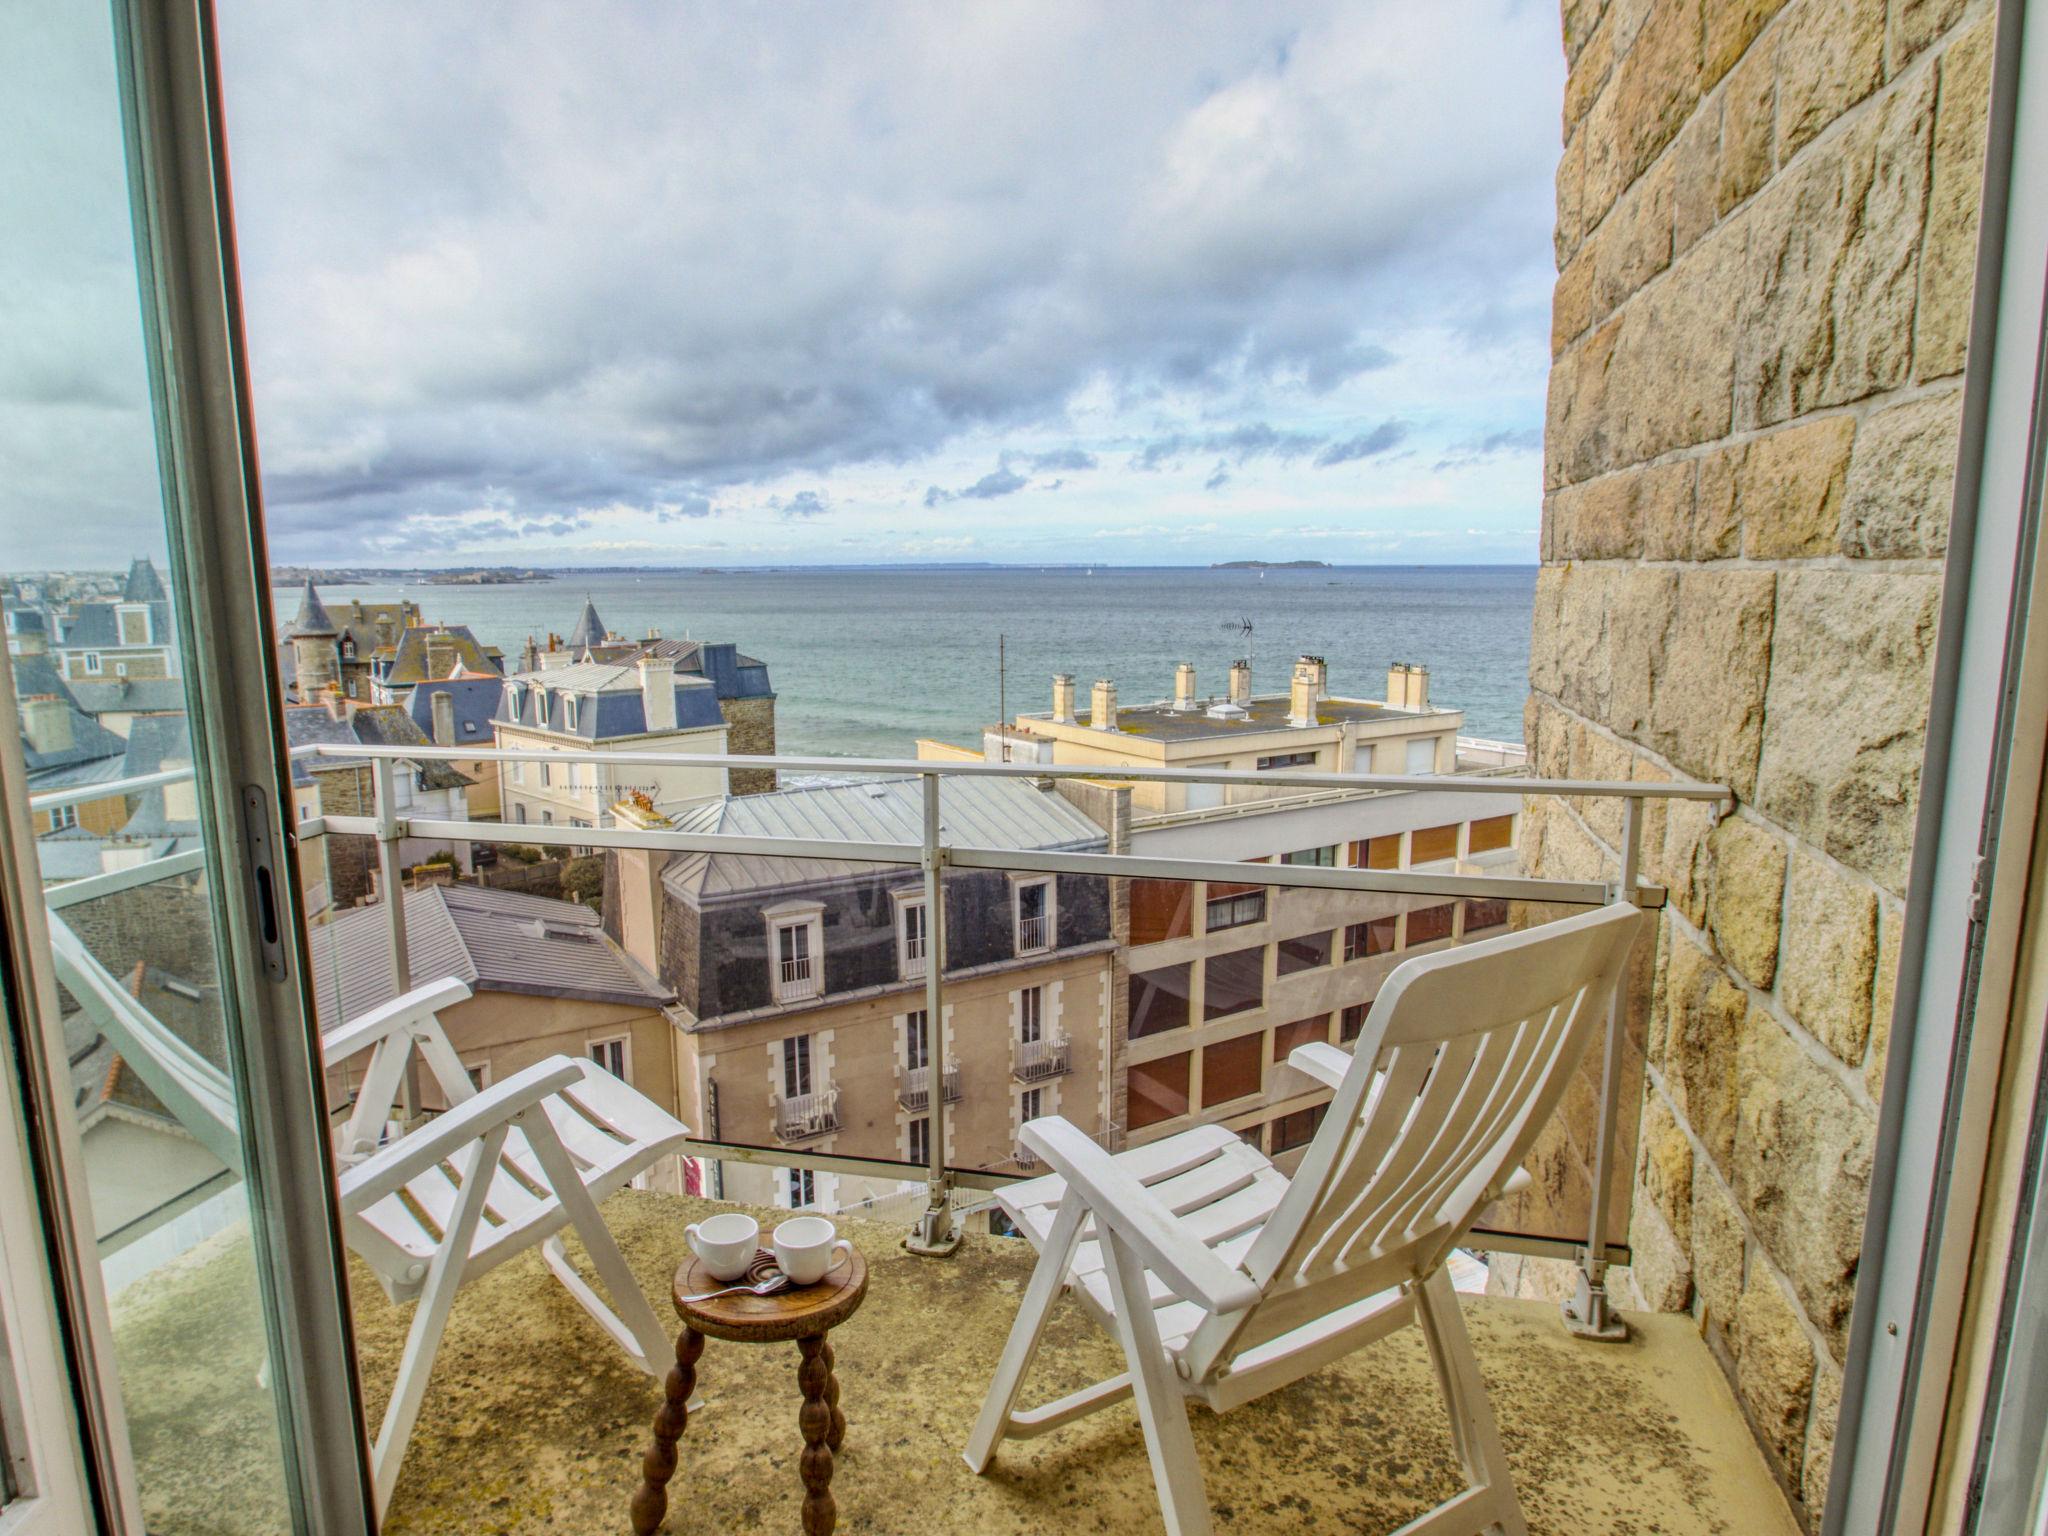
x: 1184, y: 686
x: 444, y: 718
x: 440, y: 653
x: 181, y: 799
x: 1102, y: 705
x: 634, y: 921
x: 335, y: 700
x: 1241, y: 683
x: 1408, y: 685
x: 1301, y: 693
x: 46, y: 721
x: 658, y: 692
x: 1063, y: 698
x: 1322, y: 677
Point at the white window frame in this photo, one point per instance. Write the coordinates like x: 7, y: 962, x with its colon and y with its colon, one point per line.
x: 1030, y: 1015
x: 918, y: 1129
x: 909, y: 967
x: 799, y: 1188
x: 797, y: 1063
x: 604, y: 1043
x: 568, y: 711
x: 63, y: 817
x: 546, y: 781
x: 1030, y: 1105
x: 1019, y: 884
x: 917, y: 1043
x: 92, y: 663
x: 810, y: 917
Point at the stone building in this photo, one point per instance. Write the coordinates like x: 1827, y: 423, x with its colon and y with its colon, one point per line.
x: 1765, y: 237
x: 127, y: 636
x: 800, y: 983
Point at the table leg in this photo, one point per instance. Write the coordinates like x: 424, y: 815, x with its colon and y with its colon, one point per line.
x: 836, y: 1436
x: 814, y: 1375
x: 670, y: 1420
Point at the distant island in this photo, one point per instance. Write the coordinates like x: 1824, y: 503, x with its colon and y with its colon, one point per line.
x: 1271, y: 565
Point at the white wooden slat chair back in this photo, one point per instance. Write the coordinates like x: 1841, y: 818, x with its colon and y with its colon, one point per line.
x: 1223, y: 1279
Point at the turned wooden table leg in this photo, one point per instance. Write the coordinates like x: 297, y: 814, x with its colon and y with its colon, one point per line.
x: 670, y: 1420
x: 814, y: 1375
x: 836, y: 1436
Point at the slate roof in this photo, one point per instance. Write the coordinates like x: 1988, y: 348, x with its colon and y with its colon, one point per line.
x: 981, y: 813
x: 312, y: 619
x: 93, y: 627
x: 497, y: 941
x: 372, y: 725
x: 733, y: 674
x: 589, y: 628
x: 130, y: 695
x: 476, y: 703
x: 75, y: 854
x: 608, y: 701
x: 143, y: 584
x: 409, y: 663
x: 91, y: 742
x: 156, y: 742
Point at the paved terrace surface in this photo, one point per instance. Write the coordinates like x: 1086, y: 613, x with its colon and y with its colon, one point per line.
x: 534, y: 1422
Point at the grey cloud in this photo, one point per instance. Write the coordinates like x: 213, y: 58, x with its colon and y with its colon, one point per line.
x: 1000, y: 481
x: 1253, y: 440
x: 802, y: 504
x: 1217, y: 479
x: 1382, y: 439
x: 1061, y: 458
x: 1492, y: 445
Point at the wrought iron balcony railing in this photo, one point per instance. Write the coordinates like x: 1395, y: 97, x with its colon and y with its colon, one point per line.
x: 1037, y: 1060
x: 914, y: 1090
x: 807, y: 1116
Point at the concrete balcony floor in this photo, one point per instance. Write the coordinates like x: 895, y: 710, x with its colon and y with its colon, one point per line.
x: 535, y: 1423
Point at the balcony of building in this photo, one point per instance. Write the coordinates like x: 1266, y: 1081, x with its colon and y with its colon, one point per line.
x: 807, y: 1116
x: 533, y: 1424
x: 914, y: 1088
x: 1036, y: 1061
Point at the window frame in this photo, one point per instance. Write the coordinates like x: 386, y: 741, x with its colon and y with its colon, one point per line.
x: 1019, y: 884
x: 785, y: 916
x: 624, y: 1071
x: 911, y: 911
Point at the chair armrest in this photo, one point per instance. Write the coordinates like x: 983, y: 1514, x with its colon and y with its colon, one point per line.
x: 388, y: 1170
x: 1325, y: 1063
x: 1139, y: 1217
x: 359, y: 1034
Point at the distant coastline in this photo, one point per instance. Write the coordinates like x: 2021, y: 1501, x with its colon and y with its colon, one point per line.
x: 1272, y: 565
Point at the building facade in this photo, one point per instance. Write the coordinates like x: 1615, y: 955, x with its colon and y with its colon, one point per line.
x: 568, y: 711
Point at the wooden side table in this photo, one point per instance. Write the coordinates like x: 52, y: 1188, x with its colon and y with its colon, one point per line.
x: 806, y: 1314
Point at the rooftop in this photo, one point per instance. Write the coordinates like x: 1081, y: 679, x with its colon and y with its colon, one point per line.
x: 534, y: 1423
x: 982, y: 813
x: 1268, y: 712
x: 498, y: 941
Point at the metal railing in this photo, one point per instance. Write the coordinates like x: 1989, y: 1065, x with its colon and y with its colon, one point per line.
x: 914, y: 1092
x: 933, y: 855
x: 807, y: 1116
x: 1038, y: 1060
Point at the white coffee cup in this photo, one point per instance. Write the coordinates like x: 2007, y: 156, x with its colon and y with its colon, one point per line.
x: 806, y: 1249
x: 725, y: 1243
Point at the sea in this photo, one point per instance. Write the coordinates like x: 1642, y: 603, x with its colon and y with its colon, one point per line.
x: 866, y: 660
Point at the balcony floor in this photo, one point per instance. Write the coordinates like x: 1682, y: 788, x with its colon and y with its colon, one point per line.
x: 534, y: 1422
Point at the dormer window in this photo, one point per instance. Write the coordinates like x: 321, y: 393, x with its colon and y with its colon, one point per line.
x: 796, y: 950
x: 1035, y: 920
x: 568, y: 711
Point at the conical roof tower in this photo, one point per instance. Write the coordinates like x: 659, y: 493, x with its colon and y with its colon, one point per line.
x: 589, y: 629
x: 312, y: 620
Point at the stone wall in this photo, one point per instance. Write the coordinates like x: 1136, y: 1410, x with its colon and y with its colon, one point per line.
x: 750, y: 728
x: 1765, y: 238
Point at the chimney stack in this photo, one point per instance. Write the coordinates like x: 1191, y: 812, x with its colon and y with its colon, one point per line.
x: 1322, y: 677
x: 444, y: 718
x: 335, y: 700
x: 1102, y: 705
x: 1408, y: 685
x: 1184, y: 686
x: 1241, y: 683
x: 181, y: 798
x: 1062, y: 698
x: 46, y: 721
x: 440, y: 654
x: 1301, y: 693
x: 658, y: 692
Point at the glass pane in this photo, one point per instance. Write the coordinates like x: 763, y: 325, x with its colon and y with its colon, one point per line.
x: 1159, y: 999
x: 1428, y: 844
x: 104, y: 674
x: 1232, y: 1068
x: 1300, y: 1032
x: 1233, y: 982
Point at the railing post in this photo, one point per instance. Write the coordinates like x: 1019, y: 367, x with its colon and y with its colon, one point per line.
x: 388, y: 832
x: 937, y: 1232
x: 1586, y: 1311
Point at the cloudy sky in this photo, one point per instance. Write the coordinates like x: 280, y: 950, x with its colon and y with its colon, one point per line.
x: 713, y: 284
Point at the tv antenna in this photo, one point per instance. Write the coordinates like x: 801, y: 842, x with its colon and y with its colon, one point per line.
x: 1242, y: 628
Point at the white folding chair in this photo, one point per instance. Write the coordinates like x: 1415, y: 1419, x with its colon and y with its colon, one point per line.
x: 556, y: 1138
x: 1223, y: 1279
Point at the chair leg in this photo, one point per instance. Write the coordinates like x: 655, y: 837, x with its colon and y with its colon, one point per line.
x: 1473, y: 1434
x: 1047, y: 1280
x: 1162, y: 1411
x: 430, y: 1317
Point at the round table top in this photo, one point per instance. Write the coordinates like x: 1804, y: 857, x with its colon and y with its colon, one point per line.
x: 797, y: 1313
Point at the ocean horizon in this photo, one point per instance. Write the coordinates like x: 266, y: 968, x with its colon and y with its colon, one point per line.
x: 866, y: 659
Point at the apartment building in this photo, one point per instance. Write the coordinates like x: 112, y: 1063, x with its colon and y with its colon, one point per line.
x: 126, y: 636
x: 800, y: 983
x: 746, y: 696
x: 568, y: 711
x: 460, y: 712
x: 1222, y: 980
